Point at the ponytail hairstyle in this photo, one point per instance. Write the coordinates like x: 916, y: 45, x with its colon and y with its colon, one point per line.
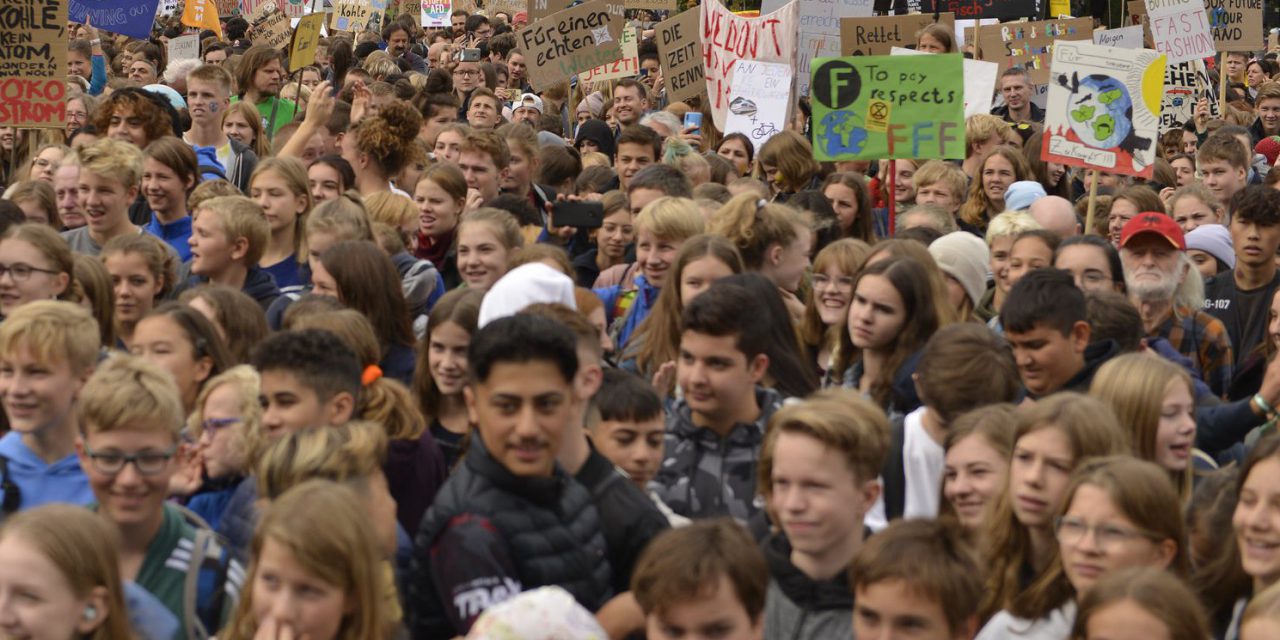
x: 388, y: 137
x: 754, y: 226
x: 460, y: 307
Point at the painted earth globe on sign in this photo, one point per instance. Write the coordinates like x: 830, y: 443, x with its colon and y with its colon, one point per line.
x: 1101, y: 111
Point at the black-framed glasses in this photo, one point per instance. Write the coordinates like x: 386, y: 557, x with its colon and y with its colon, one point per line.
x: 21, y: 271
x: 148, y: 463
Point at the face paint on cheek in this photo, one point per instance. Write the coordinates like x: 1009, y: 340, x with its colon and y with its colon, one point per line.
x: 213, y: 107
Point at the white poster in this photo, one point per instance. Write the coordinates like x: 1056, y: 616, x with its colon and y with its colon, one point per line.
x: 1184, y: 84
x: 963, y: 24
x: 979, y: 81
x: 1180, y: 29
x: 184, y: 47
x: 818, y: 31
x: 727, y: 38
x: 1122, y: 38
x: 758, y: 100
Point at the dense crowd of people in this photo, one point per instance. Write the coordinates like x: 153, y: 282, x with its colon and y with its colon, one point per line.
x: 308, y: 355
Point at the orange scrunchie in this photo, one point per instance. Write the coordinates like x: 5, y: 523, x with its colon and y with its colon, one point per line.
x: 370, y: 375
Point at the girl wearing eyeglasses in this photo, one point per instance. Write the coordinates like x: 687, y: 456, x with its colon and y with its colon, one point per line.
x: 1119, y: 512
x: 35, y: 264
x: 224, y: 427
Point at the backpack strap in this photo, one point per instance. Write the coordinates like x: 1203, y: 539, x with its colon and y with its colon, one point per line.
x: 894, y: 474
x: 206, y: 580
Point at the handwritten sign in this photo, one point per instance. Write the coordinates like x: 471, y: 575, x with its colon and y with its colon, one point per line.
x: 351, y: 15
x: 970, y: 9
x: 294, y: 8
x: 979, y: 81
x: 1129, y: 37
x: 651, y: 5
x: 1180, y: 29
x: 126, y: 17
x: 1104, y: 108
x: 625, y: 66
x: 819, y: 30
x: 572, y: 41
x: 1184, y: 84
x: 202, y: 14
x: 226, y: 7
x: 306, y: 39
x: 33, y: 63
x: 541, y: 9
x: 1029, y: 44
x: 758, y: 99
x: 271, y: 27
x: 868, y: 107
x: 680, y: 54
x: 878, y: 36
x: 435, y: 13
x: 727, y: 38
x: 1236, y: 24
x: 184, y: 47
x: 964, y: 29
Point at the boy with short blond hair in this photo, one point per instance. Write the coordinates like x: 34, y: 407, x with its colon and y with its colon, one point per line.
x: 48, y: 350
x: 110, y: 174
x: 130, y: 417
x: 941, y: 184
x: 818, y: 472
x: 228, y: 236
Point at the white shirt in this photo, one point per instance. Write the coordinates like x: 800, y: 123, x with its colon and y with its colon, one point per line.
x: 923, y: 460
x: 1055, y: 626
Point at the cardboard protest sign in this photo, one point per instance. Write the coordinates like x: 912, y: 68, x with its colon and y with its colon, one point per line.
x: 306, y: 39
x: 167, y: 8
x: 226, y: 7
x: 33, y: 63
x: 878, y: 36
x: 1029, y: 44
x: 680, y: 54
x: 202, y: 14
x: 1129, y: 37
x: 1104, y: 108
x: 351, y: 15
x: 1180, y: 29
x: 571, y: 41
x: 624, y: 67
x: 294, y: 8
x: 759, y: 99
x: 727, y: 38
x: 652, y: 5
x: 509, y: 7
x: 971, y: 9
x: 964, y: 29
x: 869, y: 107
x: 184, y: 47
x: 1184, y: 84
x: 979, y: 81
x: 132, y: 18
x: 541, y: 9
x: 818, y: 33
x: 436, y: 13
x: 271, y: 27
x: 1236, y: 24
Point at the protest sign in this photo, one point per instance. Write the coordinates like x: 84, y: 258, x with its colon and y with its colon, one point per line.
x: 651, y: 5
x: 226, y: 7
x: 294, y: 8
x: 132, y: 18
x: 33, y: 63
x: 1184, y: 84
x: 972, y: 9
x: 870, y: 107
x: 624, y: 67
x: 1059, y: 8
x: 680, y: 54
x: 271, y: 27
x: 1180, y: 29
x: 727, y: 38
x: 435, y: 13
x: 979, y: 82
x: 964, y: 30
x: 201, y: 14
x: 1129, y: 37
x: 541, y: 9
x: 351, y: 15
x: 818, y: 33
x: 167, y: 8
x: 1029, y: 44
x: 509, y: 7
x: 1104, y: 108
x: 759, y: 99
x: 306, y: 39
x: 184, y: 47
x: 878, y: 36
x: 1236, y: 24
x: 572, y: 41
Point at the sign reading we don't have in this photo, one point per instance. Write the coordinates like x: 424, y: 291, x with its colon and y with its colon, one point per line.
x: 571, y: 41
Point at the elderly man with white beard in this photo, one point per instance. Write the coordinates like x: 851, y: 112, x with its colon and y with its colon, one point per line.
x: 1168, y: 292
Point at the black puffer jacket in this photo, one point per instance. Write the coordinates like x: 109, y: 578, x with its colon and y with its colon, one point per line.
x: 491, y: 534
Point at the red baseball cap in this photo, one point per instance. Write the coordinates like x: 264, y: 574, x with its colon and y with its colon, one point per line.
x: 1154, y: 222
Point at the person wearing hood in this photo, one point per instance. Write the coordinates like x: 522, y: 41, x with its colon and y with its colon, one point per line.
x: 1045, y: 323
x: 714, y: 432
x: 818, y: 474
x: 208, y: 98
x: 595, y: 135
x: 228, y: 236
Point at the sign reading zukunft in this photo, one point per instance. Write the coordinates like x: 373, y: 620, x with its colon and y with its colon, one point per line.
x: 867, y: 107
x: 571, y: 41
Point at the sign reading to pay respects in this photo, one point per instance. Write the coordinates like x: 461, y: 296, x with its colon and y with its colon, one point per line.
x: 572, y: 41
x: 1180, y: 29
x: 758, y: 100
x: 1104, y: 108
x: 727, y: 38
x: 1236, y: 24
x: 879, y: 35
x: 1029, y: 44
x: 868, y: 107
x: 979, y: 82
x: 680, y: 53
x: 33, y: 63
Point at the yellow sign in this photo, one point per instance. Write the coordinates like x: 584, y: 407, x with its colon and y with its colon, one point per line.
x: 878, y: 116
x: 305, y: 39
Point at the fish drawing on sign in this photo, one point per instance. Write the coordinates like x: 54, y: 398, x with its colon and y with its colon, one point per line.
x: 1100, y: 111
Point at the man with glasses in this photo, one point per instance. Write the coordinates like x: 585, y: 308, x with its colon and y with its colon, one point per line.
x: 467, y: 76
x: 130, y: 418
